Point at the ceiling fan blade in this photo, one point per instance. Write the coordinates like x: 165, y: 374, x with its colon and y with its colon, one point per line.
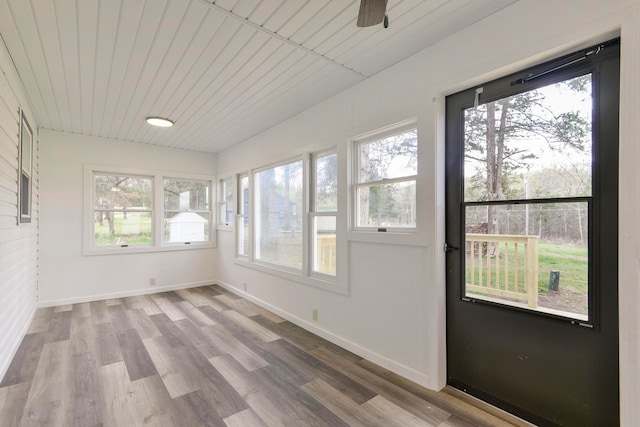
x: 371, y: 12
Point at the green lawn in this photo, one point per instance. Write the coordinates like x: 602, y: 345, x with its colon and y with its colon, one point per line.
x: 136, y: 228
x: 570, y: 260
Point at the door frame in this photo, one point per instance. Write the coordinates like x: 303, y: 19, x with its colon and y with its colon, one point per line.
x: 596, y: 314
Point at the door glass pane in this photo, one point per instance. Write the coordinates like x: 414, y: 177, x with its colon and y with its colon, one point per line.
x: 533, y: 256
x: 532, y: 145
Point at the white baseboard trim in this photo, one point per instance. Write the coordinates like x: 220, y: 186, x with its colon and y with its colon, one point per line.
x: 392, y: 365
x: 136, y: 292
x: 4, y: 364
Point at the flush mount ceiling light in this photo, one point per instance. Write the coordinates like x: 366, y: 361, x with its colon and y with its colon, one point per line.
x: 160, y: 122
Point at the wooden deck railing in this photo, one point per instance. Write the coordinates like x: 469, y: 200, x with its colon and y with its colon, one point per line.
x: 326, y: 253
x: 503, y: 266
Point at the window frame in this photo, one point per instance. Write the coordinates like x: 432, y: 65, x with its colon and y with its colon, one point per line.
x: 356, y: 183
x: 304, y: 159
x: 304, y: 276
x: 157, y: 216
x: 242, y: 215
x: 165, y: 210
x: 123, y: 210
x: 314, y: 213
x: 223, y: 203
x: 25, y: 192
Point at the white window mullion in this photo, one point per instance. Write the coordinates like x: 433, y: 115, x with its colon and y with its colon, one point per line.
x: 306, y: 206
x: 157, y: 216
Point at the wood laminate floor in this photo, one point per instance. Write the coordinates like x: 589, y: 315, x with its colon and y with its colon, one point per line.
x: 204, y: 357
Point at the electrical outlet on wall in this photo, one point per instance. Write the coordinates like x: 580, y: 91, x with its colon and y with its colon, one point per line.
x: 314, y: 314
x: 244, y: 286
x: 152, y: 281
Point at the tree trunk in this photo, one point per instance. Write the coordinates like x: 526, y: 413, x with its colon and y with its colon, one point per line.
x: 495, y: 159
x: 491, y: 164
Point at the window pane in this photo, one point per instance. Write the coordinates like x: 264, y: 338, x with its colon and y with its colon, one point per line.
x: 182, y: 195
x: 278, y: 215
x: 122, y: 228
x: 186, y: 211
x: 536, y: 144
x: 534, y: 256
x: 226, y: 201
x: 186, y: 227
x: 26, y: 141
x: 243, y: 217
x: 387, y: 205
x: 392, y: 157
x: 122, y: 192
x: 324, y: 238
x: 326, y: 188
x: 243, y: 195
x: 25, y: 197
x: 243, y: 236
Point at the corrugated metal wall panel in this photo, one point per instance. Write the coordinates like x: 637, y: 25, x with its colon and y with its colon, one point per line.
x: 18, y: 244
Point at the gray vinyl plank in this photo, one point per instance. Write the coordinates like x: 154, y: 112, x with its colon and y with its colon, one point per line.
x: 141, y: 322
x: 59, y: 326
x: 304, y: 362
x: 391, y: 414
x: 24, y: 364
x: 198, y: 317
x: 227, y: 343
x: 346, y: 409
x: 49, y: 386
x: 148, y: 305
x: 421, y: 408
x: 455, y: 421
x: 12, y: 401
x: 115, y: 388
x: 108, y: 347
x: 274, y: 404
x: 84, y: 391
x: 200, y: 410
x: 119, y: 318
x: 197, y: 299
x: 135, y: 356
x: 163, y: 356
x: 170, y: 308
x: 169, y: 330
x: 255, y: 329
x: 48, y: 413
x: 248, y: 417
x: 99, y: 312
x: 197, y: 369
x: 205, y: 357
x: 82, y: 338
x: 199, y: 338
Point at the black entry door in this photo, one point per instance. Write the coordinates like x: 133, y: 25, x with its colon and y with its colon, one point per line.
x: 532, y: 240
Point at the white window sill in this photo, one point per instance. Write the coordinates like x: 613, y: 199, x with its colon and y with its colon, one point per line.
x: 136, y: 249
x: 294, y: 276
x: 410, y: 237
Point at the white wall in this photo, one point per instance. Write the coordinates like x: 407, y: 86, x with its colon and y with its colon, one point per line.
x: 18, y: 244
x: 68, y: 276
x: 394, y: 313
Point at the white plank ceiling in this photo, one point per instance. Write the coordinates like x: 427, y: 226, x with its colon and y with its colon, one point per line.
x: 223, y: 71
